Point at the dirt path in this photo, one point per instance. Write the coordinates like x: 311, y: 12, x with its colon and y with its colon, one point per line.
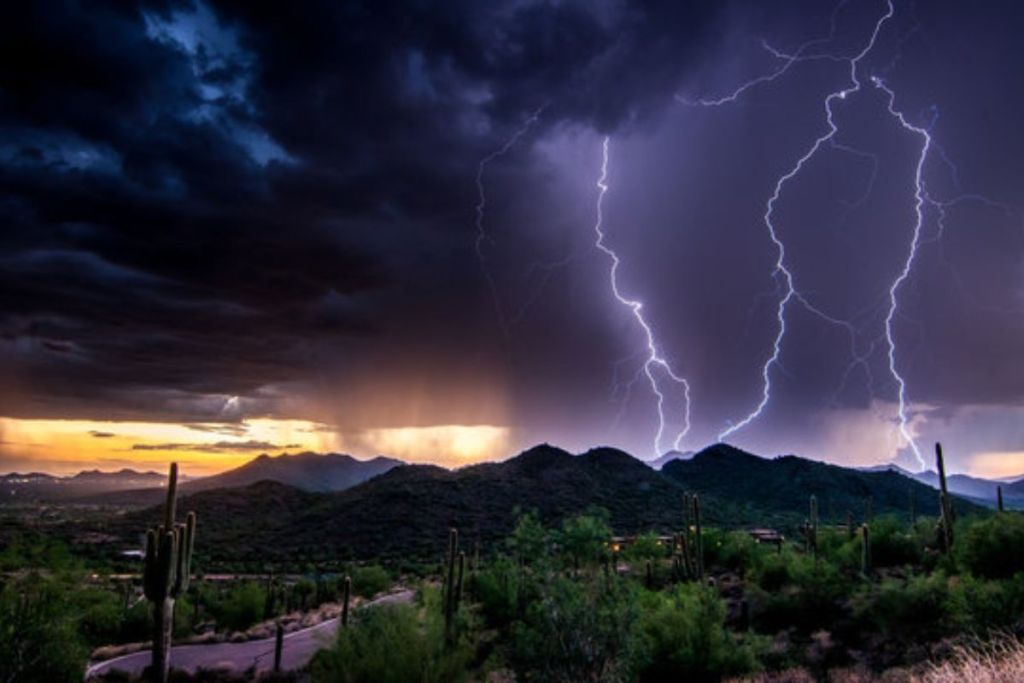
x: 297, y: 651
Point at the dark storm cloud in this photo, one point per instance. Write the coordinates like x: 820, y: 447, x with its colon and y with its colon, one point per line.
x: 219, y: 210
x: 208, y: 199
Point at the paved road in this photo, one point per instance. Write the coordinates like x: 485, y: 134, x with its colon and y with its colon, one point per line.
x: 297, y: 651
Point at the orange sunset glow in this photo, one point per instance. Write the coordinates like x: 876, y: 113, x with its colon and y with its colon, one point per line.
x: 67, y: 446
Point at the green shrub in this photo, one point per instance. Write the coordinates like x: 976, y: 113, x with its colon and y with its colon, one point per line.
x: 992, y: 548
x: 369, y: 580
x: 893, y: 544
x: 581, y: 629
x: 734, y: 551
x: 530, y: 541
x: 919, y: 608
x: 240, y: 608
x: 585, y: 538
x: 39, y: 640
x: 499, y: 589
x: 646, y: 546
x: 393, y: 644
x: 795, y: 590
x: 686, y: 639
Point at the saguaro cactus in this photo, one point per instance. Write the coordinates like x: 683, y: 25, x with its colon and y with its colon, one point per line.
x: 346, y: 595
x: 812, y: 528
x: 168, y: 564
x: 450, y: 582
x: 865, y: 550
x: 946, y: 518
x: 278, y: 646
x: 698, y: 537
x: 691, y: 541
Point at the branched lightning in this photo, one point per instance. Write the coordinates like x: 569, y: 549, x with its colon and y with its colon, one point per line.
x: 654, y: 359
x: 481, y: 232
x: 780, y: 270
x: 920, y: 198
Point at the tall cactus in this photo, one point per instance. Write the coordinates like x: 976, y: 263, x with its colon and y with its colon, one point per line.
x: 700, y: 537
x: 278, y: 645
x: 168, y: 564
x: 812, y: 528
x: 691, y: 541
x: 947, y: 518
x: 450, y: 585
x: 346, y: 595
x: 865, y: 550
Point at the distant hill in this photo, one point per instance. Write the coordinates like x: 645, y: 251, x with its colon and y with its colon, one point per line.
x: 38, y: 487
x: 407, y: 511
x: 982, y: 491
x: 305, y: 471
x: 783, y: 485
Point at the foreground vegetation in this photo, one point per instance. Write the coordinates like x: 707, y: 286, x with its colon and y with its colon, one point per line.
x: 554, y: 606
x: 561, y: 603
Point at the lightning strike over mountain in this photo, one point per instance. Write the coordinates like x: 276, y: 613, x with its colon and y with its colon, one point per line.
x: 920, y: 198
x: 481, y: 231
x: 654, y: 359
x: 781, y: 271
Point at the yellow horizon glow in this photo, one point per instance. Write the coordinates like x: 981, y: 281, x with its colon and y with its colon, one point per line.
x: 447, y: 445
x: 997, y: 464
x: 67, y: 446
x: 202, y: 448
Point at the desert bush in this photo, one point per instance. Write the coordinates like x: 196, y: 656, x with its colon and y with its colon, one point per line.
x: 893, y: 544
x: 394, y: 644
x: 646, y: 546
x: 685, y: 638
x: 992, y: 547
x: 733, y: 551
x: 584, y: 538
x: 39, y: 640
x: 795, y: 590
x: 581, y: 629
x: 501, y: 588
x: 918, y: 608
x: 240, y: 607
x: 369, y: 580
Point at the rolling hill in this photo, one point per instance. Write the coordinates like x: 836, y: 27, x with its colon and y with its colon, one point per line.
x: 977, y: 489
x: 406, y: 511
x: 782, y: 486
x: 39, y: 487
x: 305, y: 471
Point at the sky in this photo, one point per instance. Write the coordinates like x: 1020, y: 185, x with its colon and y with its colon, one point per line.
x: 447, y: 231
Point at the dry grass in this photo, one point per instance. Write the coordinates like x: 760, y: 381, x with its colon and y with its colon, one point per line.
x: 998, y: 661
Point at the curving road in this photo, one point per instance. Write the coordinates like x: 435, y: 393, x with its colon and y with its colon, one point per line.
x: 297, y: 651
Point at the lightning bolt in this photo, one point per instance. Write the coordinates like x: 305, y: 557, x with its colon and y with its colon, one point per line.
x: 920, y: 198
x: 654, y: 359
x: 780, y: 270
x: 481, y: 232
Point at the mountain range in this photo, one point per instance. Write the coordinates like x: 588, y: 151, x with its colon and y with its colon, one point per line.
x: 306, y: 471
x: 983, y: 491
x: 407, y: 510
x: 39, y: 487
